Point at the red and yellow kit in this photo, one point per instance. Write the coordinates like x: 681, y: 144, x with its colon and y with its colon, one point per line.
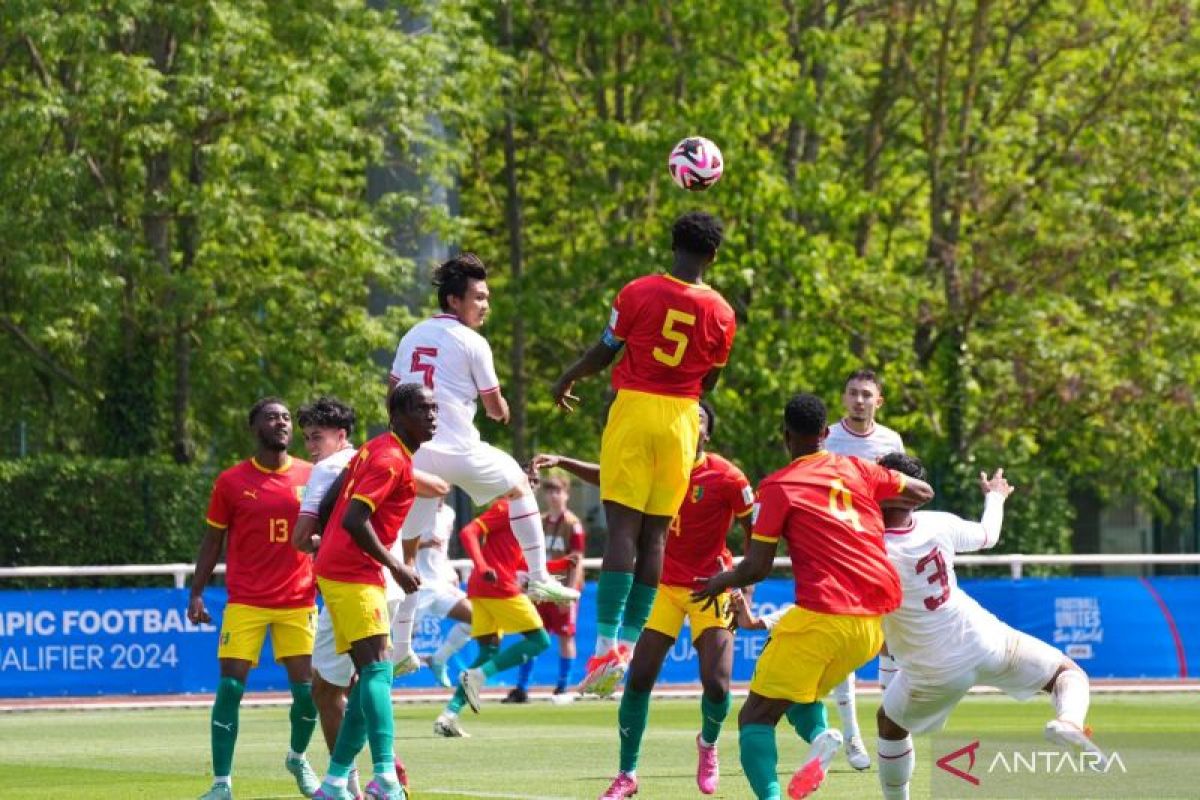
x: 827, y: 508
x: 497, y: 607
x: 381, y: 476
x: 564, y: 535
x: 717, y: 494
x: 674, y: 333
x: 258, y: 508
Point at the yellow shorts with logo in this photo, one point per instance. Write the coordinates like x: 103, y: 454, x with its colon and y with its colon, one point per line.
x: 357, y: 611
x: 647, y: 451
x: 243, y: 629
x: 809, y: 653
x: 500, y: 615
x: 672, y: 604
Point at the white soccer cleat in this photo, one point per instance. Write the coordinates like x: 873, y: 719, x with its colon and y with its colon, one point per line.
x: 1068, y: 734
x: 406, y: 665
x: 550, y: 591
x: 447, y: 725
x: 472, y: 681
x: 856, y: 753
x: 810, y: 776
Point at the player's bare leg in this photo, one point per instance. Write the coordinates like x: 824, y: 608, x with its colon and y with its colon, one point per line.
x: 897, y: 758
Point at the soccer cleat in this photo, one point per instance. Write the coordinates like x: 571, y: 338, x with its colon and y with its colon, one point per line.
x: 440, y: 673
x: 517, y: 695
x: 471, y: 681
x: 809, y: 777
x: 385, y: 789
x: 328, y: 792
x: 219, y: 791
x: 407, y: 665
x: 856, y: 753
x: 447, y: 725
x: 708, y: 770
x: 352, y: 786
x: 625, y: 785
x: 550, y: 591
x: 306, y: 780
x: 401, y: 773
x: 604, y: 673
x: 1068, y: 734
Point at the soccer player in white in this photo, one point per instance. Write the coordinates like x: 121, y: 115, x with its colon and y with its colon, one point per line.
x: 448, y: 355
x: 945, y: 642
x: 858, y: 434
x: 440, y: 594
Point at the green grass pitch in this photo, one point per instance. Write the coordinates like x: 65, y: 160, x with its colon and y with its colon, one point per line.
x: 530, y: 752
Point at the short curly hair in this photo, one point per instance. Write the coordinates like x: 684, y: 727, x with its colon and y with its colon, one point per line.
x: 698, y: 233
x: 905, y: 465
x: 453, y: 277
x: 327, y: 412
x: 805, y: 415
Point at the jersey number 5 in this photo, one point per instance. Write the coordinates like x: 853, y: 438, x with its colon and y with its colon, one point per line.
x: 939, y: 577
x: 670, y: 332
x: 424, y: 367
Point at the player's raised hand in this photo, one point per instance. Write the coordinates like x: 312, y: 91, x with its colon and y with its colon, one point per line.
x: 544, y: 461
x: 997, y: 483
x: 196, y: 612
x: 562, y: 395
x: 489, y: 575
x: 406, y: 577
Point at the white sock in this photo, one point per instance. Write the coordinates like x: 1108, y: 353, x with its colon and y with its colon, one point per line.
x: 888, y: 667
x: 1071, y: 697
x: 337, y: 782
x: 844, y: 693
x: 294, y: 756
x: 458, y: 636
x: 526, y: 522
x: 896, y: 761
x: 225, y: 779
x: 402, y: 626
x: 603, y: 645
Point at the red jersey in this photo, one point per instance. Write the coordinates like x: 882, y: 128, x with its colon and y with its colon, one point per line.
x: 564, y: 535
x: 499, y: 547
x: 258, y: 508
x: 717, y: 493
x: 674, y: 333
x: 380, y: 475
x: 827, y: 508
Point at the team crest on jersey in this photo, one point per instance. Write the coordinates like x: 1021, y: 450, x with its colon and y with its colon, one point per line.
x: 697, y: 493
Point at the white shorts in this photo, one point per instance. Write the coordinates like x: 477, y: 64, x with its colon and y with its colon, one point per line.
x: 922, y: 705
x: 485, y: 473
x: 334, y: 667
x: 438, y: 599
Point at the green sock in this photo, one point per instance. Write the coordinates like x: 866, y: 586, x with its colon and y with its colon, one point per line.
x: 352, y: 735
x: 303, y: 716
x: 632, y: 717
x: 531, y: 646
x: 809, y: 719
x: 637, y: 611
x: 712, y: 717
x: 486, y: 653
x: 376, y: 682
x: 760, y: 760
x: 225, y: 725
x: 611, y: 593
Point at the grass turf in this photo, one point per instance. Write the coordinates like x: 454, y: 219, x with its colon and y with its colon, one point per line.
x: 530, y: 752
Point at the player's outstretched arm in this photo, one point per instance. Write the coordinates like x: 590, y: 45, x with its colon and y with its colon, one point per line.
x: 468, y: 537
x: 429, y: 485
x: 915, y: 493
x: 357, y: 522
x: 495, y: 406
x: 755, y: 566
x: 586, y: 471
x: 206, y: 562
x: 596, y: 359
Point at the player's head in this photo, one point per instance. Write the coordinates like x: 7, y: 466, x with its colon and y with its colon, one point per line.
x: 272, y: 424
x: 708, y: 423
x: 556, y: 488
x: 462, y: 288
x: 905, y: 465
x: 412, y: 413
x: 862, y: 395
x: 805, y: 424
x: 696, y: 236
x: 327, y: 424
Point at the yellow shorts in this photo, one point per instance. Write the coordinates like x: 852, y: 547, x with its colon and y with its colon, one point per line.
x: 243, y: 629
x: 357, y: 611
x: 647, y: 451
x: 809, y: 653
x: 500, y: 615
x: 673, y: 603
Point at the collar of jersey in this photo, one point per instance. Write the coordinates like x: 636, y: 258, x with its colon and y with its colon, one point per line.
x: 685, y: 283
x: 700, y: 460
x: 287, y: 464
x: 400, y: 442
x: 821, y: 452
x: 852, y: 432
x: 912, y: 524
x: 447, y: 316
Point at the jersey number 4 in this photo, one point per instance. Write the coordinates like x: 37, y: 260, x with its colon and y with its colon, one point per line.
x: 426, y: 368
x: 670, y: 331
x: 935, y: 559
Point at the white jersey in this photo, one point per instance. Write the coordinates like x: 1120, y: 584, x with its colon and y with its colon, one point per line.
x: 433, y: 563
x: 323, y: 474
x: 456, y: 363
x: 940, y: 630
x: 880, y: 441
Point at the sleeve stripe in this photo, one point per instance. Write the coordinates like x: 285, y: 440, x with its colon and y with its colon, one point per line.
x: 479, y: 521
x: 215, y: 524
x: 489, y: 391
x: 368, y: 501
x: 903, y: 482
x: 758, y: 537
x: 304, y: 513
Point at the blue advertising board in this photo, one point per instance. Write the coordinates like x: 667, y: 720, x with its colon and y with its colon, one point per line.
x: 138, y: 641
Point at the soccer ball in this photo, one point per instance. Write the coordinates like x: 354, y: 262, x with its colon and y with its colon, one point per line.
x: 695, y: 164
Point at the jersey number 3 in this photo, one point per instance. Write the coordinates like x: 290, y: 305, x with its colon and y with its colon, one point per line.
x: 934, y: 557
x: 426, y: 368
x: 670, y: 331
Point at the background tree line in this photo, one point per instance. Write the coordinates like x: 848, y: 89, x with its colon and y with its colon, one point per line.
x: 988, y: 202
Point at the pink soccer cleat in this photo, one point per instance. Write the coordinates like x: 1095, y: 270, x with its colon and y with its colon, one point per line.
x: 624, y: 786
x: 708, y: 770
x: 810, y: 776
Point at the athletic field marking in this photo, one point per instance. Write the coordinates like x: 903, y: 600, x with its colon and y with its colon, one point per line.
x: 498, y: 795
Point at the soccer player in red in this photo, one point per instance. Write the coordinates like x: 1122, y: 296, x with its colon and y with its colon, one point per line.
x: 498, y: 606
x: 677, y: 333
x: 377, y: 493
x: 826, y: 507
x: 253, y: 508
